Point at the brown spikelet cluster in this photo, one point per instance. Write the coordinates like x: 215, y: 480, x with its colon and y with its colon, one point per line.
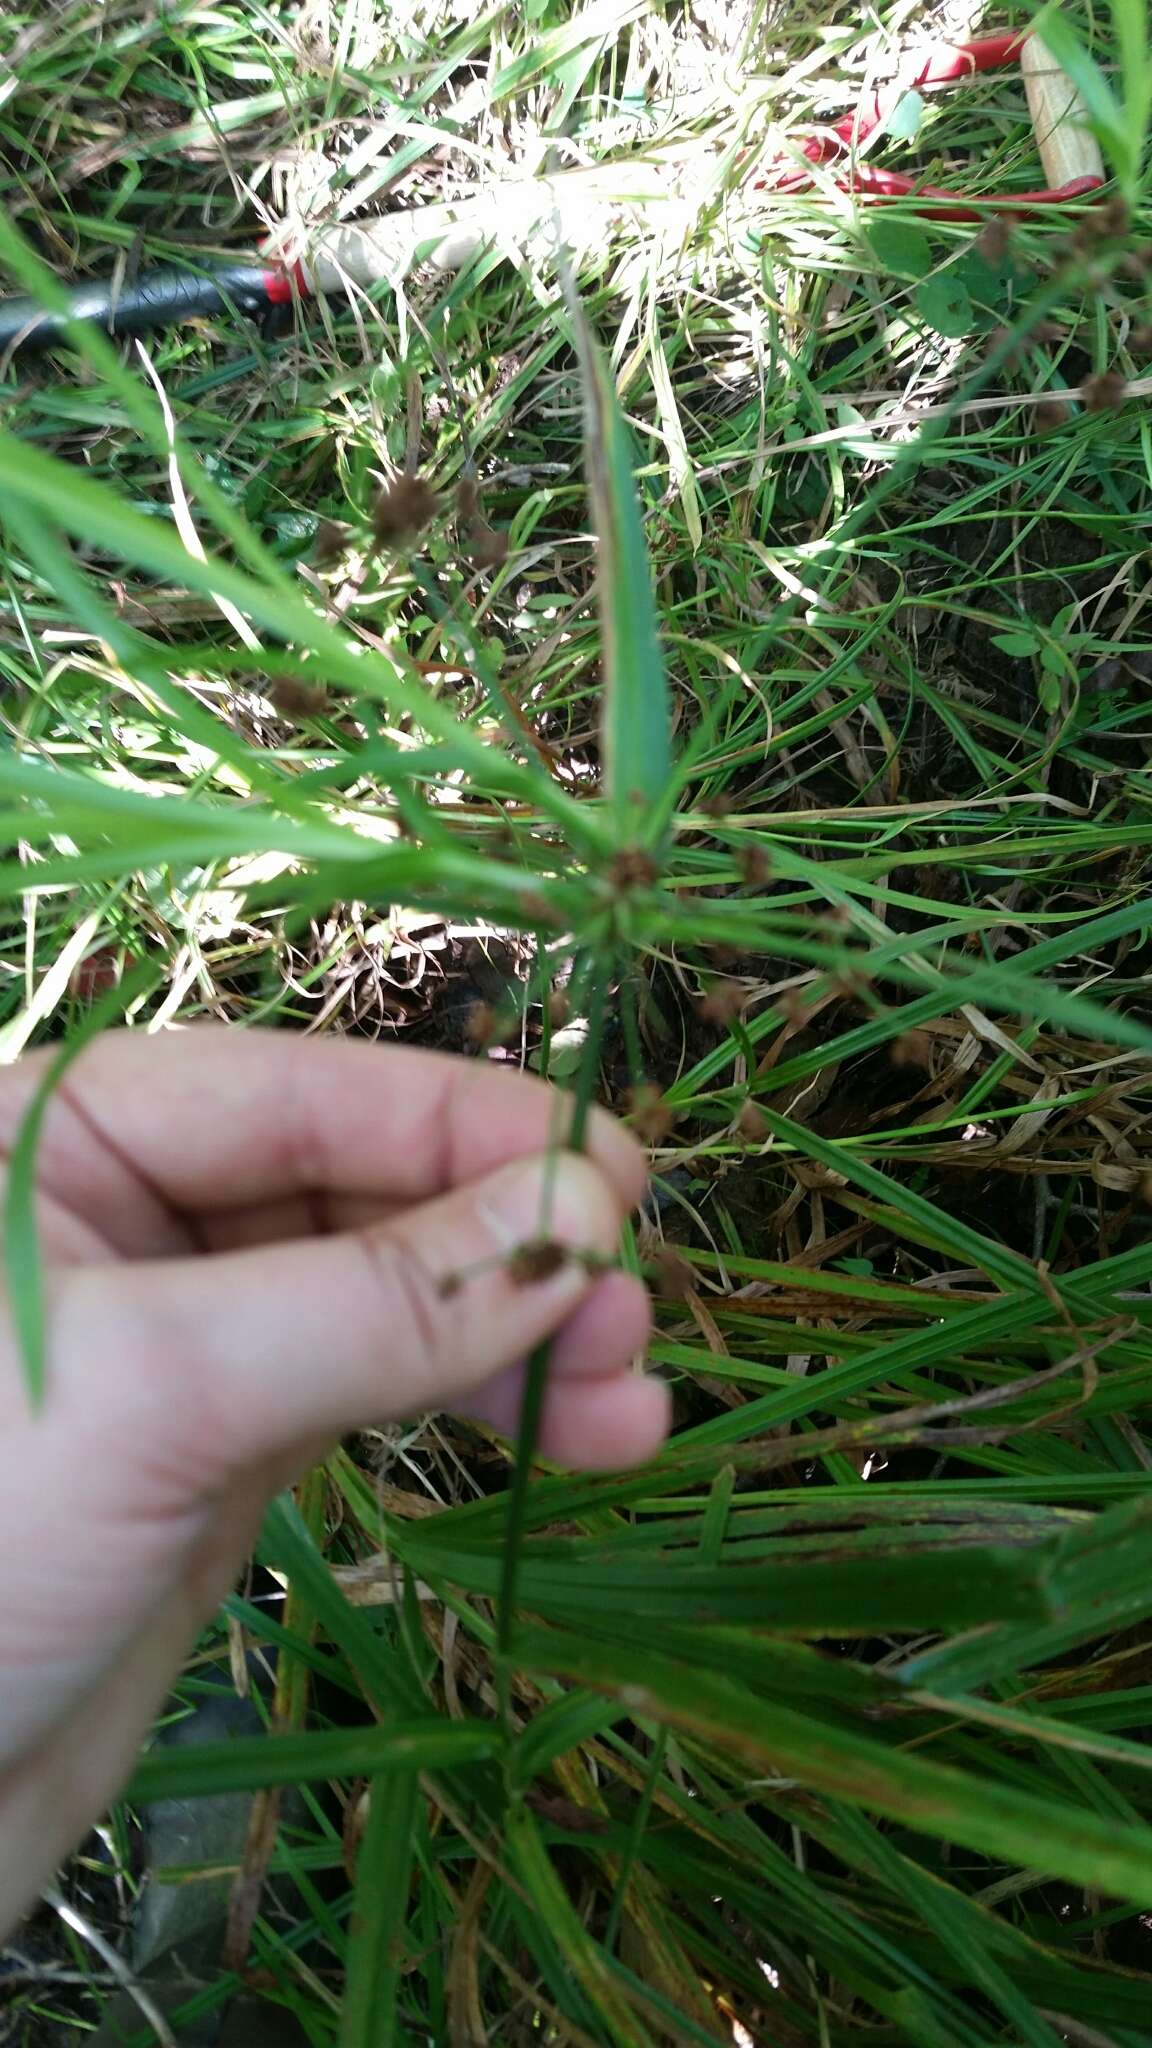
x: 672, y: 1275
x: 794, y: 1010
x: 402, y: 509
x: 486, y: 548
x: 1104, y: 392
x: 1050, y: 413
x: 754, y: 865
x: 722, y: 1001
x: 480, y: 1025
x: 632, y: 868
x: 994, y: 240
x: 294, y: 698
x: 535, y: 909
x: 648, y: 1113
x: 330, y: 540
x: 912, y: 1049
x: 1108, y: 222
x: 752, y: 1124
x: 536, y: 1260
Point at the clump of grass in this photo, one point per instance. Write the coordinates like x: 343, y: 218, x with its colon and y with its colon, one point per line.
x: 830, y: 825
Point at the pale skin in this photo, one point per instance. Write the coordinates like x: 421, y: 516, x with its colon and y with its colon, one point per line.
x: 246, y: 1237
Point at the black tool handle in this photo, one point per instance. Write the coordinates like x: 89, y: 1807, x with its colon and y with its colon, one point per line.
x: 157, y: 298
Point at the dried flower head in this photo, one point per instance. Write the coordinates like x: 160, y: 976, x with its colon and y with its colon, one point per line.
x: 295, y: 698
x: 752, y: 1124
x: 480, y: 1026
x: 1050, y: 413
x: 536, y: 1260
x: 673, y: 1277
x: 722, y: 1001
x: 487, y: 549
x: 995, y: 239
x: 330, y: 540
x: 912, y: 1049
x: 648, y: 1113
x: 467, y: 499
x: 402, y: 509
x: 795, y: 1011
x: 1104, y: 392
x: 754, y: 865
x: 535, y: 909
x: 632, y: 868
x: 559, y: 1008
x: 719, y: 806
x: 1112, y: 218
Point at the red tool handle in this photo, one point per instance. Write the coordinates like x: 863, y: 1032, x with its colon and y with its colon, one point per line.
x: 944, y: 64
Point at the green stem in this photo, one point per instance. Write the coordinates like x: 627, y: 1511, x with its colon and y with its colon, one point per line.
x: 536, y: 1378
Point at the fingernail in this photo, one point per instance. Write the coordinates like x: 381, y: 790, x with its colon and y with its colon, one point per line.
x: 558, y: 1198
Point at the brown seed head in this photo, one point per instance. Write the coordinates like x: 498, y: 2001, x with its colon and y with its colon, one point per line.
x: 480, y: 1027
x: 673, y: 1277
x: 402, y: 510
x: 648, y: 1113
x: 632, y: 868
x: 296, y: 698
x: 912, y: 1049
x: 794, y: 1010
x: 538, y: 1259
x: 1105, y: 392
x: 1112, y: 218
x: 1048, y: 414
x: 467, y: 499
x: 994, y: 239
x: 715, y: 806
x: 752, y: 1124
x: 754, y: 865
x: 559, y: 1008
x: 487, y: 549
x: 535, y: 908
x: 722, y: 1001
x: 330, y: 541
x: 1140, y: 340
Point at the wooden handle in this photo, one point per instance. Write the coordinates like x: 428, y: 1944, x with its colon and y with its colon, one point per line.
x: 1068, y: 149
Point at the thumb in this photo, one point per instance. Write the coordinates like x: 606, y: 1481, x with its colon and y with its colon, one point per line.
x: 217, y: 1363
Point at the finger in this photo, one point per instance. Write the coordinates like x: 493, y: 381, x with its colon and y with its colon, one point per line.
x: 597, y: 1412
x: 265, y: 1347
x: 604, y: 1335
x: 605, y: 1425
x: 79, y: 1707
x: 145, y: 1129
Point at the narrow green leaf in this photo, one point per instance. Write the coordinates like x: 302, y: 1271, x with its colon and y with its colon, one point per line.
x: 369, y: 2013
x: 534, y: 1867
x: 22, y: 1259
x: 635, y: 735
x: 252, y: 1760
x: 930, y: 1798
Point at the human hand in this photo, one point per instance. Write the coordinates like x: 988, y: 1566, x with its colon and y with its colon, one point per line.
x: 246, y: 1236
